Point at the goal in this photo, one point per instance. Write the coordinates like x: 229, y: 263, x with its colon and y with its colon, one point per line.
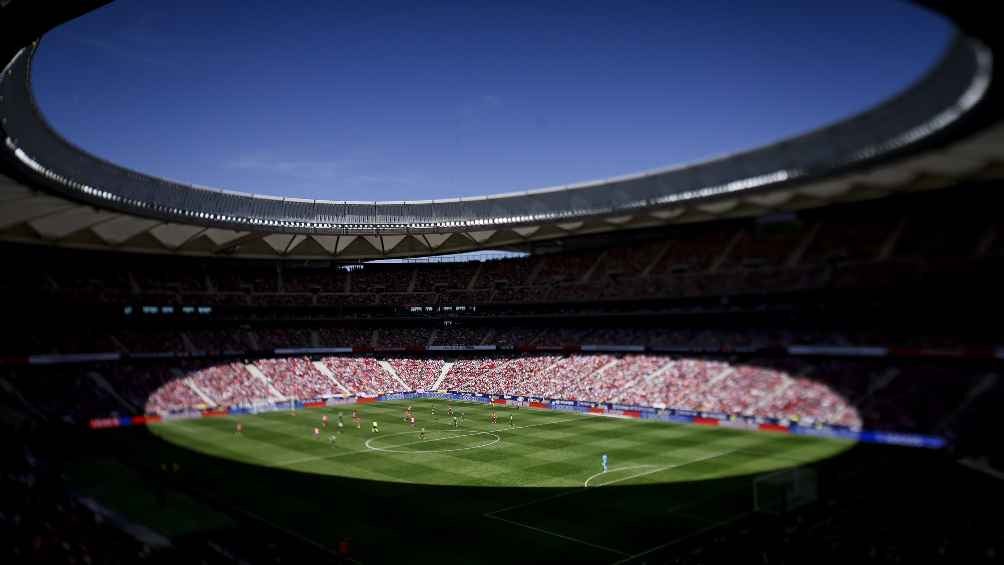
x: 785, y: 490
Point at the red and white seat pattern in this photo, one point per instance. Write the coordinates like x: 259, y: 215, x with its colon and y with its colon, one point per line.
x: 297, y: 377
x: 419, y: 374
x: 766, y: 388
x: 361, y: 375
x: 231, y: 384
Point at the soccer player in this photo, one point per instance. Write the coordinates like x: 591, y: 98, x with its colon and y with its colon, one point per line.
x: 494, y: 420
x: 341, y: 424
x: 324, y: 421
x: 412, y: 421
x: 332, y: 438
x: 421, y: 434
x: 461, y: 417
x: 454, y: 421
x: 376, y: 427
x: 511, y: 424
x: 356, y: 419
x: 434, y: 412
x: 317, y: 433
x: 240, y: 429
x: 604, y: 460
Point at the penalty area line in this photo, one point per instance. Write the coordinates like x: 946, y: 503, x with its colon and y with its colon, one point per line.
x: 576, y: 490
x: 627, y: 557
x: 616, y: 470
x: 663, y: 468
x: 556, y: 534
x: 683, y: 538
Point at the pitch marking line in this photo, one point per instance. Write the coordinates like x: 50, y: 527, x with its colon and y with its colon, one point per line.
x: 557, y: 535
x: 683, y: 538
x: 369, y: 450
x: 617, y: 470
x: 577, y: 491
x: 493, y: 515
x: 392, y: 450
x: 494, y: 433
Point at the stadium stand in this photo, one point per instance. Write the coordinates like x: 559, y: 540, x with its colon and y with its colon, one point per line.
x: 297, y: 378
x: 859, y: 246
x: 823, y: 302
x: 852, y: 392
x: 417, y: 374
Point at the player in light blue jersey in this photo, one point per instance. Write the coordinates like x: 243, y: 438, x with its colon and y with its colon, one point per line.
x: 604, y: 459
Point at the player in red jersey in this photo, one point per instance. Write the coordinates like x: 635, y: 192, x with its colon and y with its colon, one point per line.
x: 356, y: 419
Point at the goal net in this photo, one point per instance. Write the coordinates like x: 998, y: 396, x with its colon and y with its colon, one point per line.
x: 783, y: 491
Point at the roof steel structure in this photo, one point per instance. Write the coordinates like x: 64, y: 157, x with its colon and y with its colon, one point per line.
x: 939, y: 131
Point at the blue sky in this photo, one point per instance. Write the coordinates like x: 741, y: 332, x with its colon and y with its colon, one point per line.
x: 411, y: 100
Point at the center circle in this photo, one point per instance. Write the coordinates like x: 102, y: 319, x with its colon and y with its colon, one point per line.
x: 432, y: 439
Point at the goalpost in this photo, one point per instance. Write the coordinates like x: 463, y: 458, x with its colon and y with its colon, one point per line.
x: 785, y: 490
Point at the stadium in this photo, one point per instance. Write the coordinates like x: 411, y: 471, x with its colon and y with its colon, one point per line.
x: 791, y: 353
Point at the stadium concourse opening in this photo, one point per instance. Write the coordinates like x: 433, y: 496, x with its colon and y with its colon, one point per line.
x: 515, y: 435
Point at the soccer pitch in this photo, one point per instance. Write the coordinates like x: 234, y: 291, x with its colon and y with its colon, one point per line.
x: 536, y: 484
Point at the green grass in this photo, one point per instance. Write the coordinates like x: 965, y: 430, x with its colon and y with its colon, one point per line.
x: 118, y: 487
x: 480, y: 493
x: 541, y: 448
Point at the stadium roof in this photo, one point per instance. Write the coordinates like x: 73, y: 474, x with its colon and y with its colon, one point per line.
x: 943, y: 129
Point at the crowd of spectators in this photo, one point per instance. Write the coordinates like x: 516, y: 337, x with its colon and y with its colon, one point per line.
x: 474, y: 375
x: 909, y: 395
x: 297, y: 377
x: 152, y: 341
x: 403, y: 337
x: 418, y: 374
x: 62, y: 393
x: 173, y: 396
x: 618, y: 379
x: 521, y: 375
x: 270, y: 338
x: 231, y: 384
x: 361, y: 375
x: 345, y: 337
x: 219, y: 341
x: 562, y: 379
x: 133, y: 383
x: 461, y: 335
